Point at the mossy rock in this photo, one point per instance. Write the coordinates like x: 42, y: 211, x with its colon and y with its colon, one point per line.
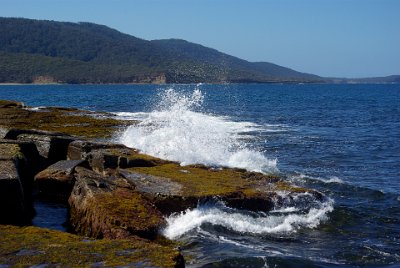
x: 109, y: 207
x: 68, y: 121
x: 174, y: 188
x: 32, y: 246
x: 129, y: 210
x: 11, y: 104
x: 201, y: 181
x: 11, y: 151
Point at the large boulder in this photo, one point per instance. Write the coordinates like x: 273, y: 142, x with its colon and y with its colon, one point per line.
x: 109, y: 207
x: 58, y: 179
x: 166, y: 194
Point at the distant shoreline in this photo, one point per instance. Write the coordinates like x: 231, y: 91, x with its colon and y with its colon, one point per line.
x: 25, y: 84
x: 275, y: 83
x: 74, y: 57
x: 105, y: 84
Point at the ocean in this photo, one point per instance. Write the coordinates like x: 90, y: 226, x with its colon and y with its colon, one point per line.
x: 342, y: 140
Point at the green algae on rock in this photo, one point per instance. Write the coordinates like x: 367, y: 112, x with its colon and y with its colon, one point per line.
x: 33, y: 246
x: 202, y: 181
x: 68, y: 121
x: 107, y: 207
x: 174, y: 188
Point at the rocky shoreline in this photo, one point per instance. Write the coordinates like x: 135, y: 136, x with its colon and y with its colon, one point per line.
x: 117, y: 197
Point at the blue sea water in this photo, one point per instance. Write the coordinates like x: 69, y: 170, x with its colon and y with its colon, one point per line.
x: 342, y: 140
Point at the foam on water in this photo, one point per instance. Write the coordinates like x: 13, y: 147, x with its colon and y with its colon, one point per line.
x: 179, y: 224
x: 129, y: 116
x: 38, y: 108
x: 331, y: 179
x: 177, y: 130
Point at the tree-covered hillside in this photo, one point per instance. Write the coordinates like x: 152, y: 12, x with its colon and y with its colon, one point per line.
x: 49, y: 51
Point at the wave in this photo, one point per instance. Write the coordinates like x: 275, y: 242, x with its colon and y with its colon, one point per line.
x: 37, y: 108
x: 332, y: 179
x: 238, y: 221
x: 178, y: 131
x: 129, y: 116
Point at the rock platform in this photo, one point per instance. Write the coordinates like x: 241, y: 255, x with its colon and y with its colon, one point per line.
x: 118, y: 198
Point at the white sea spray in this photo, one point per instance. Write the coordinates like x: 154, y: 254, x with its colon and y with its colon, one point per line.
x: 178, y: 131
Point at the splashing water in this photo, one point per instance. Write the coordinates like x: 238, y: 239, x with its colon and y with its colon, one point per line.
x: 277, y: 221
x: 177, y: 131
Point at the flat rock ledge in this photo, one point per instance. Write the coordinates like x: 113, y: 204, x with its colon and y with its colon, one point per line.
x: 38, y: 247
x: 118, y: 198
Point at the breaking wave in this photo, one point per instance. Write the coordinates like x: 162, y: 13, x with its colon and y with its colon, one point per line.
x: 281, y: 220
x: 331, y: 179
x: 177, y: 130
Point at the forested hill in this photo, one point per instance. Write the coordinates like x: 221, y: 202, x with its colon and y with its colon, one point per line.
x: 63, y: 52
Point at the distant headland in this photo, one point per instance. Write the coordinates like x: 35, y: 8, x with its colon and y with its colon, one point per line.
x: 50, y: 52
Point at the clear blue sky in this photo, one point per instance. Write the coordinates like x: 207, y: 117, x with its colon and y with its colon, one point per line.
x: 342, y: 38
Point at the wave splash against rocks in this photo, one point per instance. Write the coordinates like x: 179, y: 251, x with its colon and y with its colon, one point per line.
x: 179, y: 130
x: 305, y: 212
x: 176, y: 130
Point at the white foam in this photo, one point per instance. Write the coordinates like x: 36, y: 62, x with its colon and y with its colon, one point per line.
x: 35, y: 108
x: 177, y: 131
x: 285, y: 210
x: 182, y: 223
x: 332, y: 179
x: 129, y: 116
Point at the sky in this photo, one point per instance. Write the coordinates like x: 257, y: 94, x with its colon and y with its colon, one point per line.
x: 330, y: 38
